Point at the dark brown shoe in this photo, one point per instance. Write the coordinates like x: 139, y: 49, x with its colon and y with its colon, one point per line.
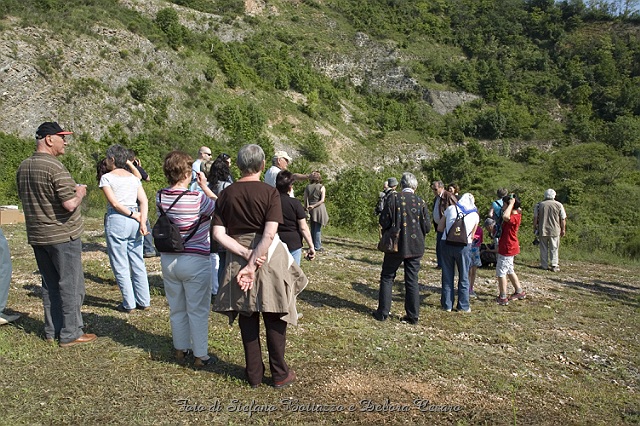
x: 85, y: 338
x: 291, y: 377
x: 182, y: 356
x: 200, y: 363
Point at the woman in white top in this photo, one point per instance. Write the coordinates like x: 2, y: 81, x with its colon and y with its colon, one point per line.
x: 457, y: 255
x: 125, y: 228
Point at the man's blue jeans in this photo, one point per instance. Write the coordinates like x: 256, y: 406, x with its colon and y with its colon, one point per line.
x: 455, y: 257
x: 5, y: 271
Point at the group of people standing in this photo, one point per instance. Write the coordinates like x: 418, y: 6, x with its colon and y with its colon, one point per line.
x: 243, y: 243
x: 257, y: 275
x: 453, y: 213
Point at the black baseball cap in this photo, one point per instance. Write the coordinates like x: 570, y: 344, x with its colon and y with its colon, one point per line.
x: 50, y: 128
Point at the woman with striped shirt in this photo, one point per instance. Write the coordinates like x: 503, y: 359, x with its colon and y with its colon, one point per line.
x: 187, y: 275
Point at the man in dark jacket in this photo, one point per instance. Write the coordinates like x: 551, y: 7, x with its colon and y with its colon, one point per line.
x: 408, y: 212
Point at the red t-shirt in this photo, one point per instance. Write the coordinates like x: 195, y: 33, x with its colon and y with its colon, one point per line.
x: 509, y: 244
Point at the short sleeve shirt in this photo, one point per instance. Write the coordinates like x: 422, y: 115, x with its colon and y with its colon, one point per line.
x: 192, y: 209
x: 125, y: 188
x: 271, y: 175
x: 508, y: 244
x: 245, y: 207
x: 289, y: 230
x: 44, y: 184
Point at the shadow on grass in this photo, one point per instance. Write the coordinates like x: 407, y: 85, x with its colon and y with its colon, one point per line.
x: 86, y: 247
x: 351, y: 244
x: 159, y: 347
x: 365, y: 259
x: 99, y: 280
x: 620, y: 292
x: 319, y: 299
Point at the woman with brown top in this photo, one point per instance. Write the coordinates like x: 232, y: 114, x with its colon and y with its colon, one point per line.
x: 245, y: 223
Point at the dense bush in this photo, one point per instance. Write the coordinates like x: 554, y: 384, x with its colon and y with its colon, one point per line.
x: 351, y: 198
x: 140, y: 88
x: 314, y: 148
x: 13, y: 150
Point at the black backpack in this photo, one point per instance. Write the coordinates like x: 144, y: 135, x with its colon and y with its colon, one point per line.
x: 166, y: 235
x: 457, y: 234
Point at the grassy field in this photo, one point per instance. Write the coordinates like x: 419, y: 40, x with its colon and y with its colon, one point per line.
x: 568, y: 354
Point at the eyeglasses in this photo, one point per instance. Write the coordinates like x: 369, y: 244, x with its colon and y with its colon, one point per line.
x: 207, y: 153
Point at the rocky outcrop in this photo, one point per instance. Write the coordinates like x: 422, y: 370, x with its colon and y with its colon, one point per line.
x: 444, y: 102
x: 377, y: 65
x: 372, y: 64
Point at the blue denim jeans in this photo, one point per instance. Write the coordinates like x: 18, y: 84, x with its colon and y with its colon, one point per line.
x: 455, y: 257
x: 297, y: 255
x: 149, y: 248
x: 5, y: 271
x: 124, y: 247
x: 439, y: 243
x: 316, y: 236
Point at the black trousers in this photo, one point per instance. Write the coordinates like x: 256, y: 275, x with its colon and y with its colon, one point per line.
x: 390, y: 265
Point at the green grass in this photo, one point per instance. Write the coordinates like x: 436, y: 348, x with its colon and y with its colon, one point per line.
x: 568, y: 354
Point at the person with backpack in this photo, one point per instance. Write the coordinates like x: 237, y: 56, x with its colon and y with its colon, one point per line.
x: 186, y: 270
x: 458, y: 226
x: 508, y: 248
x: 389, y: 188
x: 495, y: 212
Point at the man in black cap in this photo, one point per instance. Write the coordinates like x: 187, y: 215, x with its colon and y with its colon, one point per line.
x: 51, y: 200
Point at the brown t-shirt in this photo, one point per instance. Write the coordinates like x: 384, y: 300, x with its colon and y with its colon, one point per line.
x: 44, y: 184
x: 245, y: 207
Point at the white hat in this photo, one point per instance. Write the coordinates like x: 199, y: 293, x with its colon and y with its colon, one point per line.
x: 282, y: 154
x: 549, y: 194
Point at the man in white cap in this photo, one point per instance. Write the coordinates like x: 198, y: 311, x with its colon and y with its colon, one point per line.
x: 549, y: 221
x: 280, y: 161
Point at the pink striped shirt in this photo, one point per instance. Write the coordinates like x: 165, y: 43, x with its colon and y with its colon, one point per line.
x: 186, y: 213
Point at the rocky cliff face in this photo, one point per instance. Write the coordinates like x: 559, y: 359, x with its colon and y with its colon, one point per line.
x: 378, y: 66
x: 82, y: 81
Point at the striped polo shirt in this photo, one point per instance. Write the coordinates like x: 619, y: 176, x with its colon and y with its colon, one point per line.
x: 185, y: 215
x: 44, y: 184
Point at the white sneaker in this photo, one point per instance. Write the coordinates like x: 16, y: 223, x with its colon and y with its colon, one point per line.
x: 6, y: 319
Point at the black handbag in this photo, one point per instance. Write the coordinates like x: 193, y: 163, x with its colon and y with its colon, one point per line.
x: 389, y: 241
